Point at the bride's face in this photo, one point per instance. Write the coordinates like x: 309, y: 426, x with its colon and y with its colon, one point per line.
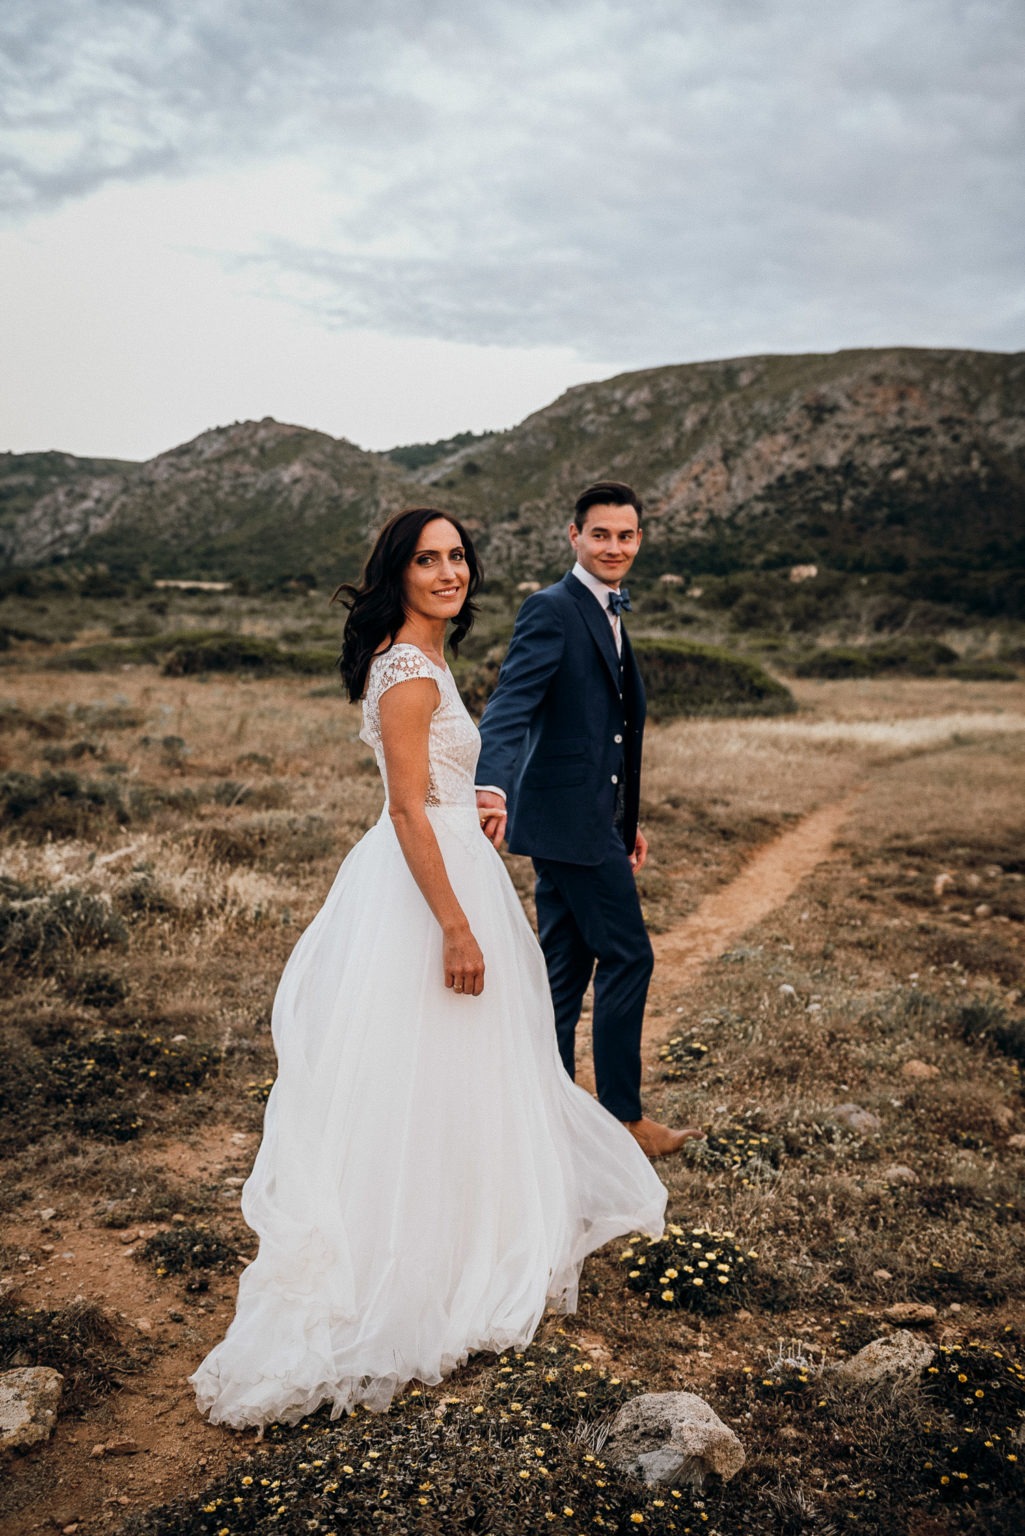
x: 435, y: 580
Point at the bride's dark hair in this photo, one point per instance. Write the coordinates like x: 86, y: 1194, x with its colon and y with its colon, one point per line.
x: 376, y: 608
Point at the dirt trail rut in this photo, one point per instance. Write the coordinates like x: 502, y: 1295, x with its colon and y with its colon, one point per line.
x: 764, y: 884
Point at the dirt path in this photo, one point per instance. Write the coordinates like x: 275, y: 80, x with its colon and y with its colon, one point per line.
x: 764, y: 884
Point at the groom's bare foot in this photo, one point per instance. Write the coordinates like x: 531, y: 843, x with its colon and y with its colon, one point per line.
x: 660, y: 1140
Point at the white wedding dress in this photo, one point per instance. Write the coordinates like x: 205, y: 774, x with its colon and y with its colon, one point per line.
x: 429, y: 1178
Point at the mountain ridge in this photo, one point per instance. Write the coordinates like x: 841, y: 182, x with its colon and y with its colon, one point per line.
x: 890, y: 456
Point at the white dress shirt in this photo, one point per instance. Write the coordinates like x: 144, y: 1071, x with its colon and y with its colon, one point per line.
x: 600, y: 591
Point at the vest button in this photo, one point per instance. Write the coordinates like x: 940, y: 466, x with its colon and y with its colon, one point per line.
x: 617, y: 740
x: 615, y: 778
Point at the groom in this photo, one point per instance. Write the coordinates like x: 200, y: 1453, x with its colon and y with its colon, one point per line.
x: 561, y: 750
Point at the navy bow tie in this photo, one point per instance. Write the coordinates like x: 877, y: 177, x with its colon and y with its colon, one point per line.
x: 618, y: 601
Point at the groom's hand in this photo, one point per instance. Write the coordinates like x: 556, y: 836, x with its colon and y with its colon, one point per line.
x: 640, y: 852
x: 492, y: 812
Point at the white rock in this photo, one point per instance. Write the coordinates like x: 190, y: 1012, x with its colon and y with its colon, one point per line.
x: 29, y: 1399
x: 672, y: 1437
x: 862, y: 1121
x: 900, y: 1354
x: 910, y: 1312
x: 900, y: 1173
x: 1017, y: 1142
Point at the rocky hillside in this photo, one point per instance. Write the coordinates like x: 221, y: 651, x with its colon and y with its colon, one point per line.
x: 874, y: 459
x: 257, y: 499
x: 870, y: 460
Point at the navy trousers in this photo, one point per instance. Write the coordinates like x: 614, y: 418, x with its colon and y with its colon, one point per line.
x: 589, y: 921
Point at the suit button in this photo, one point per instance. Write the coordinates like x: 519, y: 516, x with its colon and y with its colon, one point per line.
x: 615, y: 778
x: 617, y: 740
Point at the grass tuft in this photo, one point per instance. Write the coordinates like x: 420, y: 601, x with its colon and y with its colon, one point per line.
x: 80, y: 1340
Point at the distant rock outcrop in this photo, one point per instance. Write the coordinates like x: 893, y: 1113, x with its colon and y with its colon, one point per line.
x: 867, y: 460
x: 254, y: 499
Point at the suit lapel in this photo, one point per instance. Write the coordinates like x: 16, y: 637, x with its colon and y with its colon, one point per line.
x: 598, y: 624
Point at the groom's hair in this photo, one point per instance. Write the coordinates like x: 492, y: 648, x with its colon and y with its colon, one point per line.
x: 606, y: 493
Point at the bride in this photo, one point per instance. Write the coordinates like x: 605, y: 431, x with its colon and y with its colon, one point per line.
x: 429, y: 1177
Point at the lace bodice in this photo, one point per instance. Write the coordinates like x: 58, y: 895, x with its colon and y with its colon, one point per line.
x: 454, y: 740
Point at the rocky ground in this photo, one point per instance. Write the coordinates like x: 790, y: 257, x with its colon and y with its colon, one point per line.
x: 837, y: 901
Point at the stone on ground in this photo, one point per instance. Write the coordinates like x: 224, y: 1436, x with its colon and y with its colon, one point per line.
x: 672, y: 1437
x: 861, y: 1121
x: 29, y: 1399
x: 910, y: 1312
x: 898, y: 1355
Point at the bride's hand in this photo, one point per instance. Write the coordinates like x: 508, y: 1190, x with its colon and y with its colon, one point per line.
x: 491, y: 813
x: 464, y: 963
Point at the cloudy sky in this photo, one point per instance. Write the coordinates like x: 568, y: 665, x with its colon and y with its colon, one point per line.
x: 394, y: 220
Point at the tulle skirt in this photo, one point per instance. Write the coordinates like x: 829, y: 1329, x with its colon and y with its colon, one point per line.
x: 429, y: 1178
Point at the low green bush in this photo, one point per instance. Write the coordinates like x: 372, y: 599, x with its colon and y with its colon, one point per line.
x: 910, y: 655
x: 696, y: 1270
x: 41, y: 930
x: 244, y: 653
x: 683, y: 678
x: 80, y: 1340
x: 987, y: 1022
x: 184, y: 1250
x: 680, y: 678
x: 59, y: 804
x: 984, y: 669
x: 93, y: 1084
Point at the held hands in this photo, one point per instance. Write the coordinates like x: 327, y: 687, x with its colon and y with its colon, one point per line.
x: 640, y: 852
x: 492, y: 812
x: 464, y: 963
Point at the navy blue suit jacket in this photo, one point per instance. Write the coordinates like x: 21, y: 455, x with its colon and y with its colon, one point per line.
x: 556, y: 734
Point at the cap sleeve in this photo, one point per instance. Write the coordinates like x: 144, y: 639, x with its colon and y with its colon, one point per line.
x: 401, y: 664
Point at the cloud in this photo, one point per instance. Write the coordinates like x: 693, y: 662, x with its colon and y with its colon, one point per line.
x: 649, y: 181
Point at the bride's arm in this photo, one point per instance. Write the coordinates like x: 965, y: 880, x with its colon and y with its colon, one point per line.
x: 405, y: 713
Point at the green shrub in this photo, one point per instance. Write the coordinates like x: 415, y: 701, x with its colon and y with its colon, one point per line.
x: 682, y: 678
x: 838, y: 661
x: 78, y: 1340
x: 697, y: 1270
x: 680, y: 1055
x: 41, y: 930
x: 183, y: 1250
x: 511, y: 1457
x: 92, y: 1084
x: 984, y: 669
x: 909, y: 655
x: 244, y: 653
x: 59, y: 804
x: 985, y: 1022
x: 45, y: 724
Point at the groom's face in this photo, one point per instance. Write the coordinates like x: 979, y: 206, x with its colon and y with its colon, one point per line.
x: 607, y: 544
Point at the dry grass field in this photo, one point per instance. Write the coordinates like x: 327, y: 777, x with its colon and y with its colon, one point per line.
x: 163, y: 840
